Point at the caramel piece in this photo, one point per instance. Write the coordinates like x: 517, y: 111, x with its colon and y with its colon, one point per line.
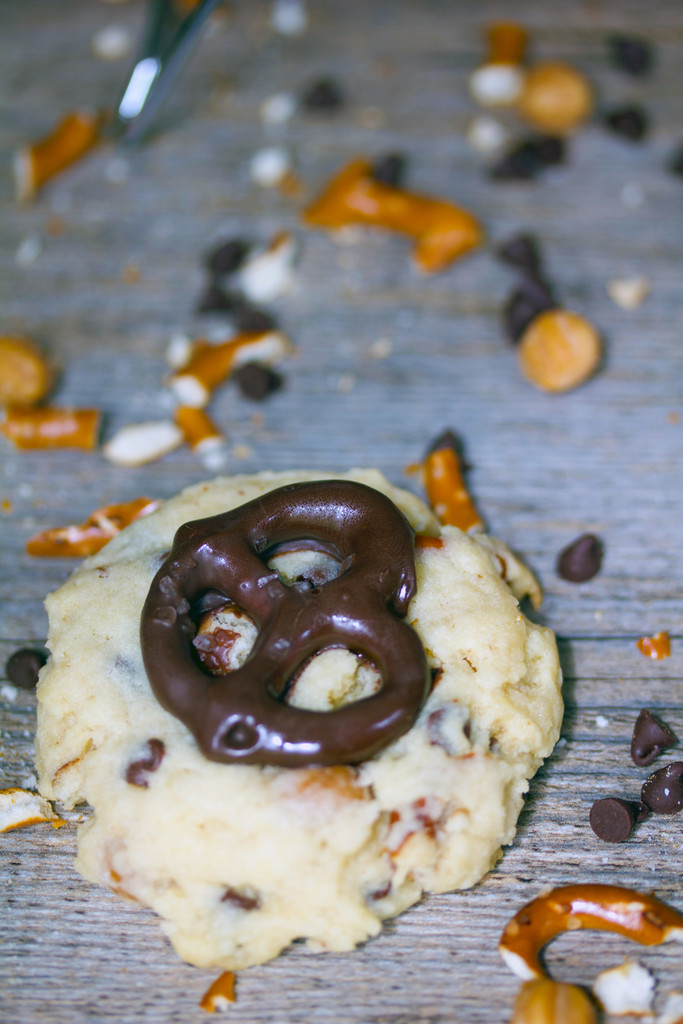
x: 638, y: 916
x: 28, y: 427
x: 655, y: 647
x: 555, y: 98
x: 446, y: 491
x: 75, y: 134
x: 25, y: 377
x: 93, y: 534
x: 559, y: 350
x: 507, y: 42
x: 442, y: 231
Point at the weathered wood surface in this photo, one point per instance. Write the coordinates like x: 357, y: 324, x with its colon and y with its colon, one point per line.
x: 606, y: 458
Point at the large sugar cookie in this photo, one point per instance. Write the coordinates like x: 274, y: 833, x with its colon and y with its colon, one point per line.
x: 239, y: 859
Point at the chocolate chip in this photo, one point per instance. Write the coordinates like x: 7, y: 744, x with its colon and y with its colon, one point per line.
x: 663, y: 790
x: 250, y: 320
x: 390, y: 169
x: 227, y: 258
x: 521, y: 163
x: 137, y: 771
x: 244, y: 898
x: 532, y: 297
x: 550, y: 149
x: 580, y: 560
x: 630, y: 54
x: 630, y: 121
x: 216, y: 300
x: 612, y: 819
x: 23, y: 666
x: 325, y: 94
x: 257, y: 381
x: 521, y: 251
x: 650, y: 737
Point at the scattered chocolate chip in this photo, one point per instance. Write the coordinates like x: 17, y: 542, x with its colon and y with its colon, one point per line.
x: 521, y: 163
x: 580, y: 560
x: 390, y: 169
x: 137, y: 771
x: 216, y: 300
x: 676, y: 163
x: 245, y: 898
x: 227, y: 258
x: 447, y: 439
x: 612, y: 819
x: 630, y: 121
x: 630, y: 54
x: 650, y: 737
x: 257, y: 381
x: 23, y: 666
x: 663, y: 790
x: 521, y: 251
x: 532, y: 297
x: 550, y: 149
x: 248, y: 319
x: 325, y: 94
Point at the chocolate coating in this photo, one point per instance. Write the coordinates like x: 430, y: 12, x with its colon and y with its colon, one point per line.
x: 243, y: 716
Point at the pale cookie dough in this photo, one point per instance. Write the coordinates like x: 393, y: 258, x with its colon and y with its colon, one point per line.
x: 239, y: 860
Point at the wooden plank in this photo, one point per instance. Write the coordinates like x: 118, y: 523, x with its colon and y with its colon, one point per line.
x: 606, y: 458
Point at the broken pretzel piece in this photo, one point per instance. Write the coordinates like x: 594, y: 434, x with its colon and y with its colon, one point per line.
x: 219, y: 994
x: 640, y: 917
x: 25, y: 376
x: 75, y: 134
x: 29, y: 427
x: 198, y: 428
x: 20, y: 807
x: 544, y: 1001
x: 93, y: 534
x: 445, y: 487
x: 442, y: 231
x: 210, y: 365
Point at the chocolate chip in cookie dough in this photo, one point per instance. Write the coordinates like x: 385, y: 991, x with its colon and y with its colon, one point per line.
x: 521, y: 251
x: 325, y: 95
x: 581, y: 560
x: 630, y: 121
x: 257, y: 381
x: 244, y: 898
x: 390, y: 169
x: 23, y: 666
x: 137, y: 771
x: 663, y: 790
x: 612, y: 819
x: 650, y: 737
x: 631, y: 54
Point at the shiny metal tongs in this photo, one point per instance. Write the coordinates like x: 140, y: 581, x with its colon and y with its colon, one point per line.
x: 167, y: 42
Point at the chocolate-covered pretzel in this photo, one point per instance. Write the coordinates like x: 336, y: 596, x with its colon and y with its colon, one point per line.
x: 243, y: 716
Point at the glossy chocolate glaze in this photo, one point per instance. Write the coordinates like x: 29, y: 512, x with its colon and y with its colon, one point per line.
x: 243, y: 717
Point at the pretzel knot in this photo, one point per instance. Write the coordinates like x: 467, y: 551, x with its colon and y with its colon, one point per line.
x: 243, y: 717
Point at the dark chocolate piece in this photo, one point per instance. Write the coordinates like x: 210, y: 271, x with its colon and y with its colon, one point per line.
x: 137, y: 771
x: 581, y: 560
x: 244, y: 717
x: 227, y: 258
x: 390, y: 170
x: 216, y: 300
x: 663, y: 790
x: 257, y: 381
x: 612, y: 819
x: 520, y: 163
x: 630, y: 121
x: 551, y: 150
x: 533, y: 296
x: 631, y: 54
x: 650, y: 737
x: 325, y: 95
x: 23, y: 666
x: 521, y: 251
x: 248, y: 319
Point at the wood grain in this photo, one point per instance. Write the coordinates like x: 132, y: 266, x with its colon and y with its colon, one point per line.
x: 606, y: 458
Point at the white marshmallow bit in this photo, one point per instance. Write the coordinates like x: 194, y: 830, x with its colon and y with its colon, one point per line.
x: 627, y: 989
x: 269, y: 273
x: 628, y: 292
x: 493, y: 85
x: 269, y: 166
x: 143, y: 442
x: 20, y: 807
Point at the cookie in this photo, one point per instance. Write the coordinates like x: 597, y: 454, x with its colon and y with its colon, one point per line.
x: 241, y: 853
